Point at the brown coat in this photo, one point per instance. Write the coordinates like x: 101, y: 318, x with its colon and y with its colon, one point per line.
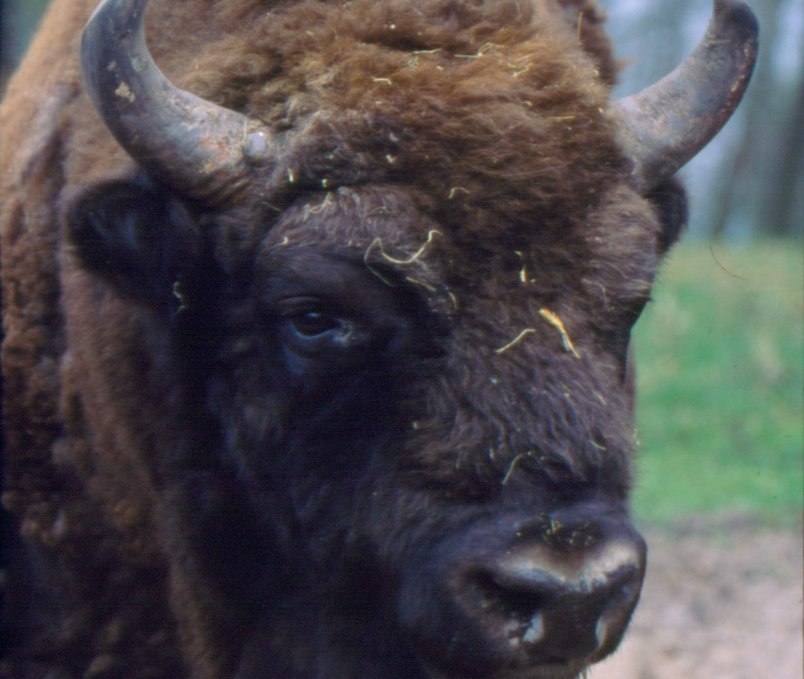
x: 482, y: 127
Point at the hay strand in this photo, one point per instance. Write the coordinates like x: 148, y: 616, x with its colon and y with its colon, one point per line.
x: 522, y: 335
x: 512, y: 467
x: 377, y: 244
x: 554, y: 320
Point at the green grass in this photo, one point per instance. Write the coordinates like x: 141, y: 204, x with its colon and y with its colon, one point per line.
x: 721, y: 381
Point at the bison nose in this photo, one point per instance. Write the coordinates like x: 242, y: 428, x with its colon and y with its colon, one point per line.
x: 564, y: 605
x: 524, y: 595
x: 560, y: 603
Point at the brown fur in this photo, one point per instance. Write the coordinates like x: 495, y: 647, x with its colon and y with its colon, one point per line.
x: 484, y: 121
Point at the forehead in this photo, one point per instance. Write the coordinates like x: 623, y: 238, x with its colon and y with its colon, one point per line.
x: 392, y: 227
x: 349, y: 219
x: 380, y: 231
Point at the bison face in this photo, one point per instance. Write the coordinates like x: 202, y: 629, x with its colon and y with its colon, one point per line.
x: 383, y: 305
x: 386, y: 456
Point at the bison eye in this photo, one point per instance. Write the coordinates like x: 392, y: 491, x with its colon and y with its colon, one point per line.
x: 309, y: 329
x: 313, y: 324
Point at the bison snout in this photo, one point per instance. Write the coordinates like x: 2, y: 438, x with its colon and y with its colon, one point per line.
x: 523, y: 597
x: 560, y: 605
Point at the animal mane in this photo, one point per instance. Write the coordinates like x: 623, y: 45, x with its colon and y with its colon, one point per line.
x: 470, y: 102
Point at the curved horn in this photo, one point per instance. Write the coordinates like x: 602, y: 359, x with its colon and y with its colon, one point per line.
x: 199, y: 148
x: 665, y: 125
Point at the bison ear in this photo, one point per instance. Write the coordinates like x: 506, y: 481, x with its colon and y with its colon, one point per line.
x: 135, y: 237
x: 670, y: 201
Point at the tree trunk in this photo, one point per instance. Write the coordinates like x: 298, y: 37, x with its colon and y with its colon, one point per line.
x: 782, y: 211
x: 741, y: 182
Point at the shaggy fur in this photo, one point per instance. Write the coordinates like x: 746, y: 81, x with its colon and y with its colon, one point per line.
x: 186, y: 502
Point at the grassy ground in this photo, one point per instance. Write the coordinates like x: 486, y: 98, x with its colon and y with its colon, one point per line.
x: 721, y: 379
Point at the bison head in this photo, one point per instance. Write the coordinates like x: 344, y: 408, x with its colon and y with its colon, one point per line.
x: 362, y: 325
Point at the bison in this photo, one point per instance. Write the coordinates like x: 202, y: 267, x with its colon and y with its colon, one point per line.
x: 316, y: 333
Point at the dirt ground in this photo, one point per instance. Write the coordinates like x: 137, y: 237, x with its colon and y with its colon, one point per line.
x: 722, y: 600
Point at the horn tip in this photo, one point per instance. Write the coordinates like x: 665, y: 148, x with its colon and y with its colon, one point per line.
x: 737, y: 18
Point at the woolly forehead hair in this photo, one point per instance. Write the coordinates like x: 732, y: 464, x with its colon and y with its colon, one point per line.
x: 491, y: 109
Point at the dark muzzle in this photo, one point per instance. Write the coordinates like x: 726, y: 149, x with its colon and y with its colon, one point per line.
x: 521, y: 596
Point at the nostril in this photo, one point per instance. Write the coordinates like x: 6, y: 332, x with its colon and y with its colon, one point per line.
x: 621, y: 597
x: 512, y: 597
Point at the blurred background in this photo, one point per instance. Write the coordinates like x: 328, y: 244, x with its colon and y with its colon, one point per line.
x: 720, y: 412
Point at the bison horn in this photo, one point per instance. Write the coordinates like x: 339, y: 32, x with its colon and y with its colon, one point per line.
x: 204, y: 150
x: 665, y: 125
